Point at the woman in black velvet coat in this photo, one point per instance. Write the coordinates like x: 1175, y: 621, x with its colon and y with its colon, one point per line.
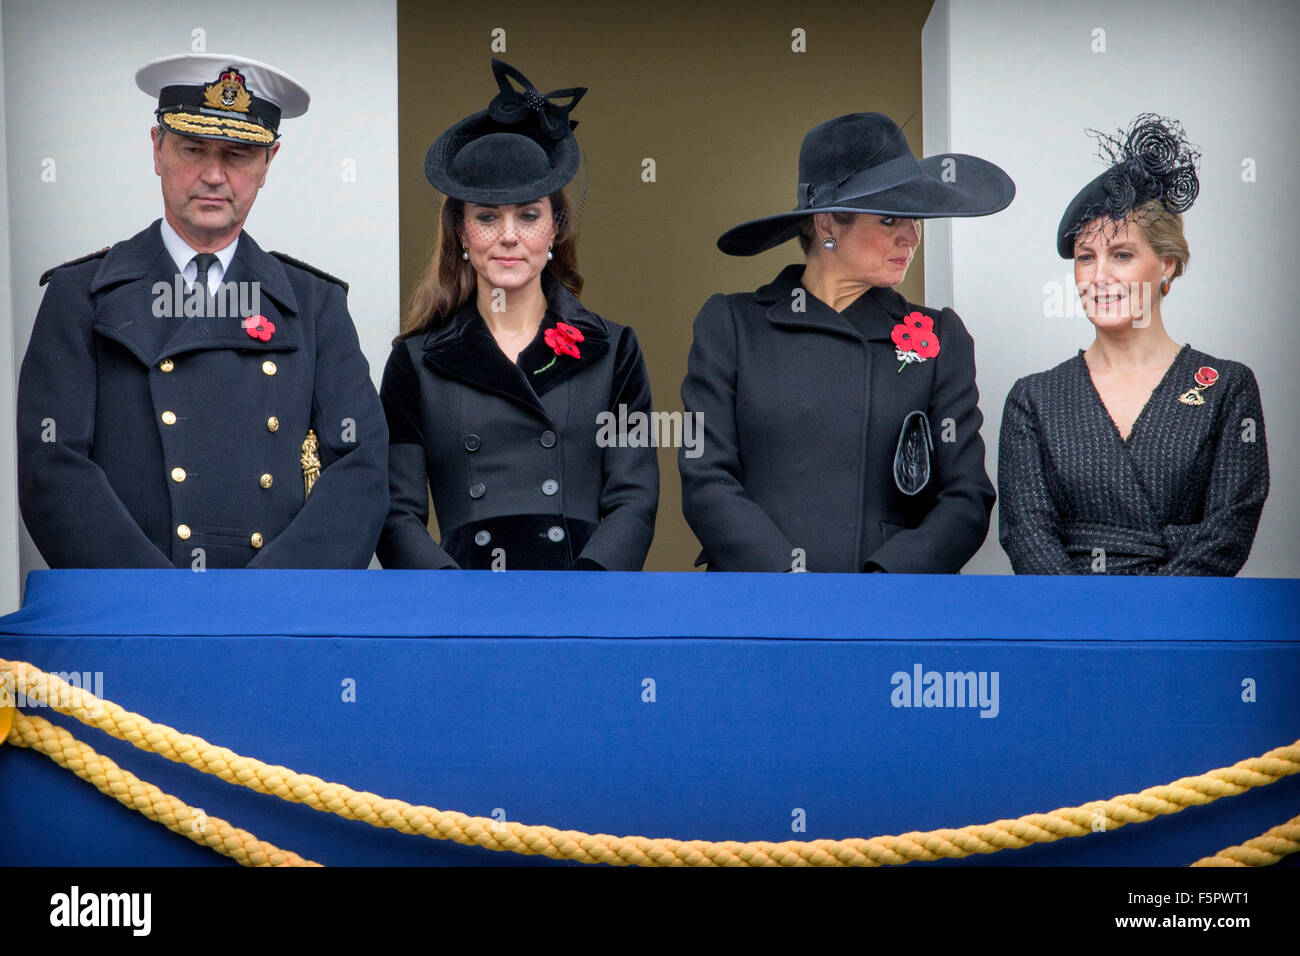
x: 499, y: 395
x: 841, y: 422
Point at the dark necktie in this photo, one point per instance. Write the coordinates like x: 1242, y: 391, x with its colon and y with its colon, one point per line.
x: 205, y: 261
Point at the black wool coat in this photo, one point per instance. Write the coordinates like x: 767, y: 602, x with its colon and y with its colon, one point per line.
x: 148, y: 440
x: 1181, y: 495
x: 509, y: 450
x: 802, y: 413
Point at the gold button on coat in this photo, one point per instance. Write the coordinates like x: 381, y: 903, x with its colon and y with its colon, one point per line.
x: 256, y: 539
x: 272, y: 423
x: 268, y: 367
x: 166, y: 365
x: 183, y: 532
x: 169, y: 418
x: 178, y: 475
x: 265, y: 481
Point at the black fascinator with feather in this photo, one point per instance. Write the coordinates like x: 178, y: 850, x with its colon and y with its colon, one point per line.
x: 1151, y: 160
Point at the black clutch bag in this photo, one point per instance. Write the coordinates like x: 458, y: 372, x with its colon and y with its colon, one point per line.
x: 912, y: 457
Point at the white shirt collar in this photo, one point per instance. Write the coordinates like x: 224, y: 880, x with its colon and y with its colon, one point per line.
x: 183, y: 255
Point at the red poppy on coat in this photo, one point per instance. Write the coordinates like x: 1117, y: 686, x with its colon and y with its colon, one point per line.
x: 1206, y: 376
x: 563, y: 339
x: 918, y: 321
x: 908, y: 337
x: 927, y: 345
x: 259, y: 327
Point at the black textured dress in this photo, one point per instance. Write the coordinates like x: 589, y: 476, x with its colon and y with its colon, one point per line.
x: 1181, y: 495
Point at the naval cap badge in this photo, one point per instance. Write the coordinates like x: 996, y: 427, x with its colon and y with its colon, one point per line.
x: 228, y: 92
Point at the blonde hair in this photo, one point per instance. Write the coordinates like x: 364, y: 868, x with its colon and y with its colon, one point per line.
x: 1163, y: 231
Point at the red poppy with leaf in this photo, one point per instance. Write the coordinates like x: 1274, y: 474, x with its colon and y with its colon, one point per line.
x: 564, y: 339
x: 914, y: 339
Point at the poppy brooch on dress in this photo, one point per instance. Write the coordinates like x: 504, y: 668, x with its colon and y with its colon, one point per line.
x: 259, y: 327
x: 1205, y: 377
x: 564, y: 339
x: 915, y: 339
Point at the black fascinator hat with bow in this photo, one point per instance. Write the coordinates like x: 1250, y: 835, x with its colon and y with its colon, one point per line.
x: 519, y: 149
x: 1150, y: 160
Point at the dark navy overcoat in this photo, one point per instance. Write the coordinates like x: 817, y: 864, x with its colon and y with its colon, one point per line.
x: 803, y: 407
x: 153, y: 441
x: 522, y: 471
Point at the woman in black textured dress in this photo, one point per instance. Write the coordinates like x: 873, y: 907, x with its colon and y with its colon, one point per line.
x: 1137, y: 456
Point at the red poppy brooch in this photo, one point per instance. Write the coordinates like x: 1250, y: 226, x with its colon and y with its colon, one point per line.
x: 1204, y: 378
x: 564, y: 339
x: 259, y: 327
x: 914, y: 339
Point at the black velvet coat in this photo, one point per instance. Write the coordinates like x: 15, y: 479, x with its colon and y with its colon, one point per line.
x: 1181, y: 495
x: 128, y: 396
x: 802, y: 412
x: 510, y: 453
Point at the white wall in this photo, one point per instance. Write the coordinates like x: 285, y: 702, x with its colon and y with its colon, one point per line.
x: 1019, y: 83
x: 70, y: 96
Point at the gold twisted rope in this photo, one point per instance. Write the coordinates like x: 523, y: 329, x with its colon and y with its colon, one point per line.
x: 504, y: 835
x: 129, y: 790
x: 1265, y: 850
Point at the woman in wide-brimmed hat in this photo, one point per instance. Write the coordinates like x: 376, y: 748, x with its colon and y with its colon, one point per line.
x: 497, y: 391
x: 1138, y: 455
x: 841, y: 425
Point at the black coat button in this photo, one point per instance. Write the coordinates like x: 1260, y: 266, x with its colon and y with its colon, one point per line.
x: 550, y: 486
x: 548, y: 439
x: 472, y: 443
x: 482, y: 538
x: 555, y: 533
x: 476, y: 490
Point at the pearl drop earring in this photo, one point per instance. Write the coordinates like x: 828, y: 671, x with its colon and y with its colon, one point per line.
x: 829, y: 244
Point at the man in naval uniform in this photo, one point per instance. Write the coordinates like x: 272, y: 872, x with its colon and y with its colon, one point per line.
x: 188, y: 400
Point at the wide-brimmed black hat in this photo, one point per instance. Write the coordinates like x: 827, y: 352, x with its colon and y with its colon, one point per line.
x: 1151, y: 160
x: 862, y: 163
x: 519, y: 149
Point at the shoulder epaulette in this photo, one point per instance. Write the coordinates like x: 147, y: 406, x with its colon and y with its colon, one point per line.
x: 48, y: 273
x: 285, y: 257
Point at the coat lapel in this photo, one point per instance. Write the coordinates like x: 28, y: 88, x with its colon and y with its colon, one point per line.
x: 871, y: 317
x: 464, y: 351
x: 251, y: 269
x: 137, y: 274
x: 879, y: 309
x: 536, y: 360
x: 125, y: 286
x: 792, y: 306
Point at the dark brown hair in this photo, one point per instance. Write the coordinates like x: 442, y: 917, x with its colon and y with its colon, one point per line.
x: 449, y: 280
